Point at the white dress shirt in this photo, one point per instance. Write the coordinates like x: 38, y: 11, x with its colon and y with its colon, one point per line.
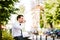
x: 16, y: 29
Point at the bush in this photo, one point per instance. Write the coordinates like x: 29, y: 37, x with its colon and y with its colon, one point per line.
x: 6, y: 35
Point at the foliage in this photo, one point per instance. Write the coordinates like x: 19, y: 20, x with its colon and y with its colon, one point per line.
x: 52, y: 11
x: 6, y: 35
x: 41, y: 23
x: 22, y: 9
x: 58, y: 13
x: 6, y: 9
x: 41, y: 19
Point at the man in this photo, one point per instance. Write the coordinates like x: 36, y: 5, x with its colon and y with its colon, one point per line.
x: 17, y: 28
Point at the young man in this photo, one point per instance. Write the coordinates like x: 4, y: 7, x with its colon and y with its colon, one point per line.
x: 17, y: 28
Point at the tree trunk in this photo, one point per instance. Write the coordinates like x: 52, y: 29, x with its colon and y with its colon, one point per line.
x: 51, y: 25
x: 0, y: 32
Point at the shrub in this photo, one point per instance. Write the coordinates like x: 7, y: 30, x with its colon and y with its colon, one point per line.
x: 6, y: 35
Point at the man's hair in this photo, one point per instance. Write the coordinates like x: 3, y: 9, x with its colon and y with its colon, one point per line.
x: 19, y: 16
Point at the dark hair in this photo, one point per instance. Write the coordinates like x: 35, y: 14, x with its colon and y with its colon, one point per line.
x: 19, y: 16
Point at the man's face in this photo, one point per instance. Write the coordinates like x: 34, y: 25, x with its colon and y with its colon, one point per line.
x: 21, y: 19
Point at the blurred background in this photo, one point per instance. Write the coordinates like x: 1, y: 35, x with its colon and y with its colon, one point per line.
x: 41, y: 15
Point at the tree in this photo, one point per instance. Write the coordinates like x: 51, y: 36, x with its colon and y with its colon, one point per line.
x: 41, y: 19
x: 58, y: 14
x: 52, y: 11
x: 6, y: 9
x: 22, y: 9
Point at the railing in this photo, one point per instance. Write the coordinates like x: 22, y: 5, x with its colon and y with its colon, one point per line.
x: 46, y: 37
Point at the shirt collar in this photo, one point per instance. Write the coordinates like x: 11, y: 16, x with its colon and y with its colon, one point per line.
x: 18, y: 22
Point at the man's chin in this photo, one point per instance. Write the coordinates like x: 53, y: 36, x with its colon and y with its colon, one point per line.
x: 21, y: 22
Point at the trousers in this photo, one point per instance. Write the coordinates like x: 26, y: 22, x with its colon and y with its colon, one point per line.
x: 18, y: 38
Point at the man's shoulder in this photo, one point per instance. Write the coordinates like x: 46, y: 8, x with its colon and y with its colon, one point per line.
x: 15, y: 22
